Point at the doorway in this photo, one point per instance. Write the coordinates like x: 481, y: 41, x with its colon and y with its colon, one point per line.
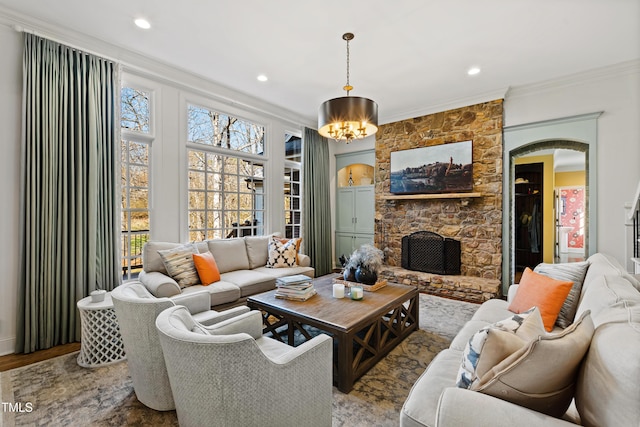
x: 577, y: 133
x: 528, y: 214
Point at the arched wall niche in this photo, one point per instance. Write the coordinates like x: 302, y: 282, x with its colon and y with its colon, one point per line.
x: 577, y: 133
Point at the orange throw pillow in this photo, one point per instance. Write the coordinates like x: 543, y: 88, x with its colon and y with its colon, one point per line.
x: 543, y: 292
x: 207, y: 268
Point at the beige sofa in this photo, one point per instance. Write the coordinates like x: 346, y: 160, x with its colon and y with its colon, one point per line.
x: 607, y: 391
x: 242, y: 264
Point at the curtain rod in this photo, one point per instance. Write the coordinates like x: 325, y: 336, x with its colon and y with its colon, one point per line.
x: 21, y: 29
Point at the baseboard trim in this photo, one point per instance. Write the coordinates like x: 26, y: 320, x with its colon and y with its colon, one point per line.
x: 7, y: 346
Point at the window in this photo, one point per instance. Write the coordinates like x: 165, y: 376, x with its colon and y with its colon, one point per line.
x: 135, y: 114
x: 226, y: 187
x: 208, y: 127
x: 135, y: 156
x: 292, y: 187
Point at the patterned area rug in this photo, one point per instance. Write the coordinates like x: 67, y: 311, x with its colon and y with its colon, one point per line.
x: 61, y: 393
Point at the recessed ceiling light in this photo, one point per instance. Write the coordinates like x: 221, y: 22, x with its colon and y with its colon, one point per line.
x: 262, y: 78
x: 142, y: 23
x: 473, y: 71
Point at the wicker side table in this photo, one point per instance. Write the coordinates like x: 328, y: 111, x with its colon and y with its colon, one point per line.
x: 101, y: 343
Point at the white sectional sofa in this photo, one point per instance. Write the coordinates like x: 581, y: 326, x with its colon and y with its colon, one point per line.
x: 242, y: 264
x: 607, y: 390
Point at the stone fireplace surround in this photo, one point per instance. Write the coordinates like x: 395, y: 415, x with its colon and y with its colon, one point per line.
x: 475, y: 221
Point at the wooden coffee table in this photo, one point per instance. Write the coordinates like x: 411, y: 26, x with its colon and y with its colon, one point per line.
x: 363, y: 331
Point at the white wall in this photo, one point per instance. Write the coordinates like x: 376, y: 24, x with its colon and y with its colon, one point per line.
x: 10, y: 121
x: 616, y: 92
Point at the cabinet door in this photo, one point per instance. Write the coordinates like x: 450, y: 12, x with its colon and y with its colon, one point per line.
x: 364, y: 207
x: 345, y: 218
x: 344, y: 245
x: 361, y: 239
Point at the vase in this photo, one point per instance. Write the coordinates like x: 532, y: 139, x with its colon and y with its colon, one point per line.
x: 366, y: 276
x: 349, y: 274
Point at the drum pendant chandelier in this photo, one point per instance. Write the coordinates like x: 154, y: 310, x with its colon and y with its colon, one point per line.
x: 349, y: 117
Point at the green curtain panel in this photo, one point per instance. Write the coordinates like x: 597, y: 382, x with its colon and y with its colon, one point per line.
x: 69, y: 225
x: 317, y: 211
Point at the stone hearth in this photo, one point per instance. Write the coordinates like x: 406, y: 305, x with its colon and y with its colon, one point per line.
x: 464, y: 288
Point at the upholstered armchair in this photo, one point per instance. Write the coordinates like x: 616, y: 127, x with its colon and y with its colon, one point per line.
x: 229, y: 374
x: 136, y: 310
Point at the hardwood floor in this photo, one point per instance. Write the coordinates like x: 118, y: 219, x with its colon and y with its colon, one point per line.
x: 13, y: 361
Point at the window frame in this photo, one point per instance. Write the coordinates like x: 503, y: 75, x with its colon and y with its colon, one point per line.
x: 290, y: 166
x: 186, y: 146
x: 148, y: 138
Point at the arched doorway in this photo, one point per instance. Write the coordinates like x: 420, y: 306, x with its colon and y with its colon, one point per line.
x: 577, y: 133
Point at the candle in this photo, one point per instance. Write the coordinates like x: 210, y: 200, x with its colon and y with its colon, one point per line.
x: 338, y: 290
x: 357, y: 292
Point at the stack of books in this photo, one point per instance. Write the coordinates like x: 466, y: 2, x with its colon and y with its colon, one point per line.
x: 295, y: 288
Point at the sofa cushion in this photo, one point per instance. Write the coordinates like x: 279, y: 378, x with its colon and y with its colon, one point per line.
x: 541, y: 376
x: 249, y: 281
x: 281, y: 254
x: 179, y: 264
x: 605, y: 265
x: 230, y: 254
x: 568, y: 272
x: 257, y: 250
x: 466, y: 333
x: 609, y: 298
x: 493, y: 343
x: 607, y: 392
x: 221, y: 292
x: 288, y: 271
x: 151, y: 260
x: 420, y: 407
x: 492, y: 311
x: 543, y: 292
x: 207, y: 268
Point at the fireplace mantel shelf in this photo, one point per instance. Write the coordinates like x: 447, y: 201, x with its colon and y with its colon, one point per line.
x: 430, y: 196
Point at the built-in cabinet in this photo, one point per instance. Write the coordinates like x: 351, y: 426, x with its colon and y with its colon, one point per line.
x: 354, y: 218
x: 355, y: 213
x: 355, y: 205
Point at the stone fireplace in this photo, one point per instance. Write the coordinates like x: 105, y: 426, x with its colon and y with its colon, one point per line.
x: 473, y: 220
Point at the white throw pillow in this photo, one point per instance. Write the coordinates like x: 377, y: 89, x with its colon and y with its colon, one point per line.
x: 282, y: 254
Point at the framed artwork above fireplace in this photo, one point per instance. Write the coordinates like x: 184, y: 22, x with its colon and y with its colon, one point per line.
x: 445, y: 168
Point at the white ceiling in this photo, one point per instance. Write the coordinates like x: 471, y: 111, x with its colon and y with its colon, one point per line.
x: 411, y: 56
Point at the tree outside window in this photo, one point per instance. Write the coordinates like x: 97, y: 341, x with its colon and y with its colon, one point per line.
x: 225, y: 175
x: 135, y: 125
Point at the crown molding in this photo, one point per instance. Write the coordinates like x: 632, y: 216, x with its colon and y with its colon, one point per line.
x: 576, y: 79
x: 445, y: 106
x: 140, y: 64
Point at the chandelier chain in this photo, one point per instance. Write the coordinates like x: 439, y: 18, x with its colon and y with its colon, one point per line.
x: 348, y: 86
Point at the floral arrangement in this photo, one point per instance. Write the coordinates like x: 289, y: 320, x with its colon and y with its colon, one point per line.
x: 366, y: 256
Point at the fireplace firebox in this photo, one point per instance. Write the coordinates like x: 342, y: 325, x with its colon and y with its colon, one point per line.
x: 431, y: 253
